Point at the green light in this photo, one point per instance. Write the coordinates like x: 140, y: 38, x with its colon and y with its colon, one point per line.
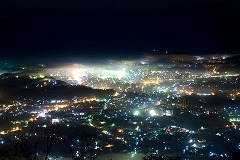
x: 136, y: 113
x: 202, y: 128
x: 112, y: 125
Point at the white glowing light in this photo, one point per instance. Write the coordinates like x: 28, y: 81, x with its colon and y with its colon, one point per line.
x: 194, y: 145
x: 136, y: 113
x: 42, y: 114
x: 121, y: 74
x: 56, y: 120
x: 77, y: 75
x: 152, y: 113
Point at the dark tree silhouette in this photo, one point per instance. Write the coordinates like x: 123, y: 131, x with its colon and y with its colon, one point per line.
x: 50, y: 136
x: 232, y: 146
x: 160, y: 157
x: 81, y: 143
x: 8, y: 152
x: 19, y: 146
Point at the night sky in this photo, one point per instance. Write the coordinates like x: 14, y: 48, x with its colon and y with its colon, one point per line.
x: 118, y: 28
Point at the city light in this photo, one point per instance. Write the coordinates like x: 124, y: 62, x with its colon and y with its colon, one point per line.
x: 152, y: 112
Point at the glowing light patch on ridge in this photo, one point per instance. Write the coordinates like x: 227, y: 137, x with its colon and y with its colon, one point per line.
x: 152, y: 112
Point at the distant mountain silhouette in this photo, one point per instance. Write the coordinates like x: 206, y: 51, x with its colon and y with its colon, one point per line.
x: 15, y: 88
x: 233, y: 59
x: 232, y: 64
